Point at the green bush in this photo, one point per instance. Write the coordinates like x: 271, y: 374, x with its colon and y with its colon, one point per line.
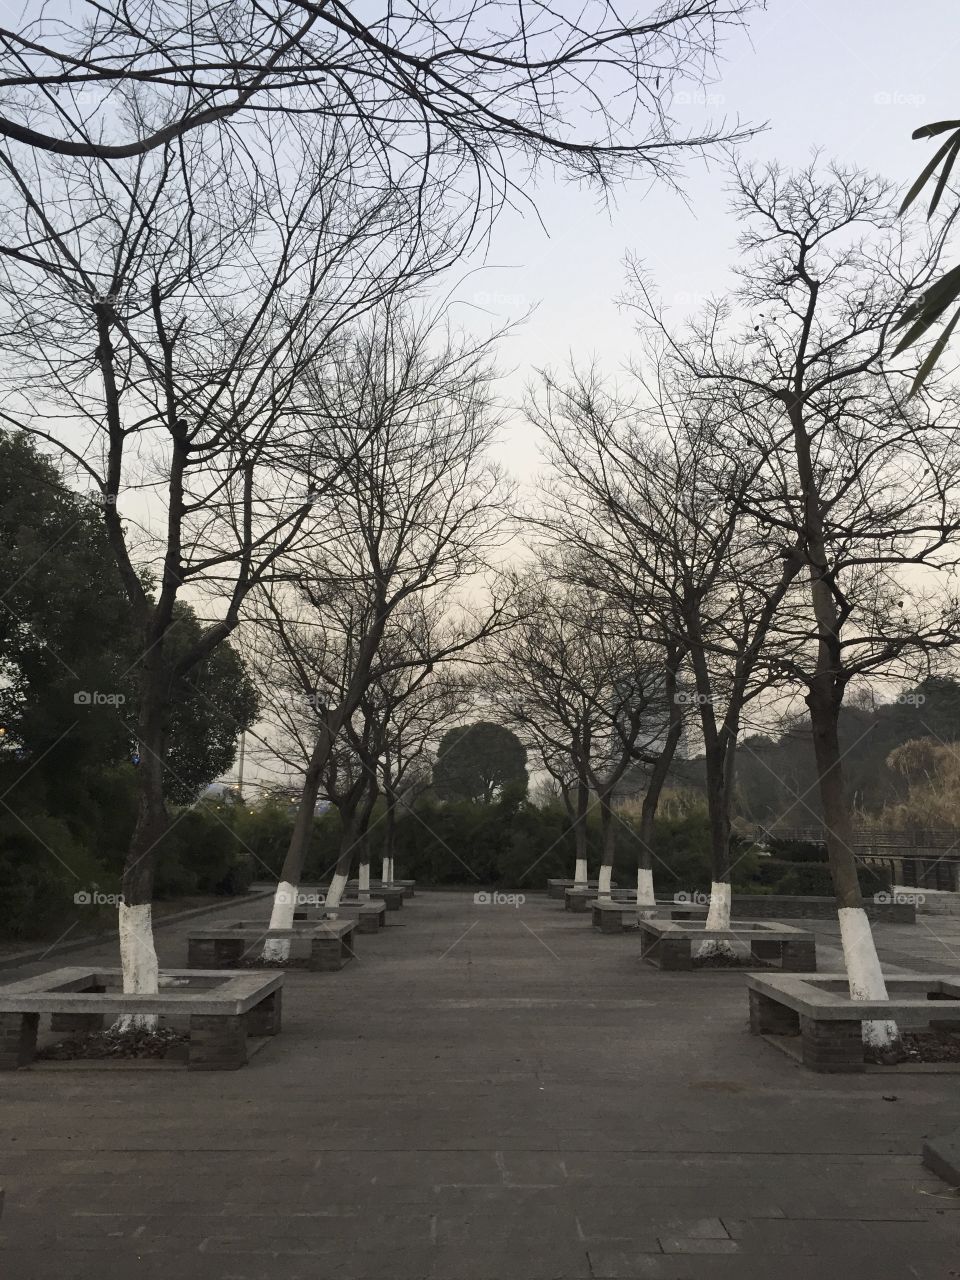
x: 814, y: 879
x: 45, y: 859
x: 798, y: 850
x: 202, y: 854
x: 41, y: 869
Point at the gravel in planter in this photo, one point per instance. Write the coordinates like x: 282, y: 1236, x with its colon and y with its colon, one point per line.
x: 919, y: 1046
x: 164, y: 1042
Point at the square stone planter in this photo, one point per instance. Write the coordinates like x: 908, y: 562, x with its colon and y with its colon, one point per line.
x: 670, y: 944
x: 326, y: 945
x: 377, y: 887
x: 222, y: 1009
x: 614, y: 914
x: 557, y: 887
x: 577, y: 898
x: 818, y: 1009
x: 391, y: 895
x: 370, y: 917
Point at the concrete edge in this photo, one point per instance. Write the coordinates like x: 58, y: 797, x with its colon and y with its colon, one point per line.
x: 942, y: 1157
x: 96, y: 940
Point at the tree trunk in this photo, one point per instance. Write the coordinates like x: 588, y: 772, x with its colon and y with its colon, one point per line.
x: 646, y: 896
x: 285, y: 898
x: 363, y: 842
x: 341, y: 872
x: 864, y: 973
x: 389, y: 835
x: 608, y: 847
x: 718, y: 807
x: 645, y: 892
x: 138, y: 956
x: 581, y: 873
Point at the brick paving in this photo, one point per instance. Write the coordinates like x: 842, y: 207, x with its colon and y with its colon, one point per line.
x: 487, y: 1093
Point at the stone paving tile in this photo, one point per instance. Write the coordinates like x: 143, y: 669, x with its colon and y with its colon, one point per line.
x: 624, y: 1265
x: 487, y: 1111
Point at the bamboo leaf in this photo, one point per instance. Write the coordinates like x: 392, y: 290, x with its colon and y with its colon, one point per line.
x: 929, y: 306
x: 944, y: 175
x: 931, y: 130
x: 934, y: 354
x: 926, y: 173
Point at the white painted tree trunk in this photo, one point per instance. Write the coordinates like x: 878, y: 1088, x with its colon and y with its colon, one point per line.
x: 603, y: 883
x: 390, y: 877
x: 580, y: 875
x: 864, y: 974
x: 385, y: 877
x: 335, y: 893
x: 363, y: 879
x: 718, y: 917
x: 645, y: 894
x: 281, y: 917
x: 138, y: 961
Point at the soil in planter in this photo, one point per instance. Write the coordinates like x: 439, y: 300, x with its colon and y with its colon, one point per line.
x: 257, y: 962
x: 730, y: 962
x: 920, y: 1046
x: 164, y: 1042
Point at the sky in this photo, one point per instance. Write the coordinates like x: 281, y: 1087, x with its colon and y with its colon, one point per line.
x: 851, y: 77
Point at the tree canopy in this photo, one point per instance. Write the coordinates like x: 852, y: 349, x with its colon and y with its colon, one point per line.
x: 479, y: 763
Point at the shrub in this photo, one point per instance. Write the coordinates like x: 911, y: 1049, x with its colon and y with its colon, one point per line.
x: 814, y: 879
x: 798, y: 850
x: 40, y: 871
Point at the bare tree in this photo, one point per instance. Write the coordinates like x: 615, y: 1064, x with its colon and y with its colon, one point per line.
x: 350, y: 783
x: 412, y: 703
x: 858, y: 479
x: 159, y: 322
x: 581, y: 685
x: 415, y: 516
x: 653, y: 500
x: 444, y: 88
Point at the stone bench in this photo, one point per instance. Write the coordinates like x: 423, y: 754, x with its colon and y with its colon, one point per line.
x: 669, y: 944
x: 223, y: 1009
x: 578, y: 897
x: 391, y: 895
x: 557, y: 887
x: 328, y: 944
x: 613, y: 915
x: 370, y: 914
x: 818, y: 1008
x: 379, y: 887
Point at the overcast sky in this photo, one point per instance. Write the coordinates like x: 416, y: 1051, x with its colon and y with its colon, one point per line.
x: 852, y: 77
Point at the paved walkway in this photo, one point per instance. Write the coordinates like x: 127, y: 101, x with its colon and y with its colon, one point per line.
x: 487, y: 1093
